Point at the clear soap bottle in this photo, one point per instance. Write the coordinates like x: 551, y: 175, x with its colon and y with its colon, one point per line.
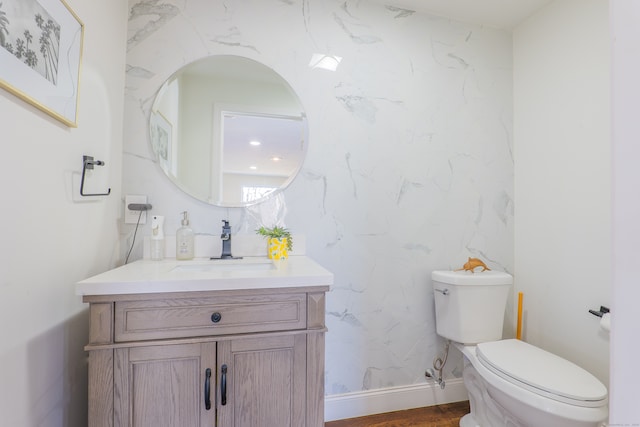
x: 184, y: 239
x: 157, y: 237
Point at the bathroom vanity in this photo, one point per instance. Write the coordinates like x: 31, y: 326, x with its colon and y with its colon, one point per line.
x: 226, y: 343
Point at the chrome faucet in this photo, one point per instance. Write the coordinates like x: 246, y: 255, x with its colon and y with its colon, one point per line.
x: 226, y: 240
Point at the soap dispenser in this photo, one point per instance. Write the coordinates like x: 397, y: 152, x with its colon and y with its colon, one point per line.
x: 184, y: 239
x: 157, y: 237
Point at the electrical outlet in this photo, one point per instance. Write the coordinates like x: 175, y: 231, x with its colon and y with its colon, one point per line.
x: 131, y: 217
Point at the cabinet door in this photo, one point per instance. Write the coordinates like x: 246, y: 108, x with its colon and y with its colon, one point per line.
x: 265, y: 381
x: 164, y: 386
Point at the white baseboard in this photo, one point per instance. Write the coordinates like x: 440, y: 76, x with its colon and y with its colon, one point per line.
x: 369, y: 402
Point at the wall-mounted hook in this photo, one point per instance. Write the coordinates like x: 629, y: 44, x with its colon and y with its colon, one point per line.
x: 89, y: 163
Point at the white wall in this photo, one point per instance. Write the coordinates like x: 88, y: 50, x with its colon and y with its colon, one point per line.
x: 48, y: 242
x: 563, y: 178
x: 625, y: 374
x: 409, y: 167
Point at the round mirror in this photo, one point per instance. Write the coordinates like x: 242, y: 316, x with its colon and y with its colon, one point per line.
x: 228, y: 131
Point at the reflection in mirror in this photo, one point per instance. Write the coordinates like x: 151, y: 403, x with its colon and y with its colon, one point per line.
x: 228, y: 130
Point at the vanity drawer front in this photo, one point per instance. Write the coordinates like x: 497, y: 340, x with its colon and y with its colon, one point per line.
x: 195, y: 317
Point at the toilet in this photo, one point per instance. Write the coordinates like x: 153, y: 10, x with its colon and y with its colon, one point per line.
x: 510, y: 383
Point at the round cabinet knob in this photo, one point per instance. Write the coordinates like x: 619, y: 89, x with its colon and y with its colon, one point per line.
x: 216, y: 317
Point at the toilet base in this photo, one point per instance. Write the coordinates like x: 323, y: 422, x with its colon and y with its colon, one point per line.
x: 468, y: 421
x: 494, y: 404
x: 485, y: 411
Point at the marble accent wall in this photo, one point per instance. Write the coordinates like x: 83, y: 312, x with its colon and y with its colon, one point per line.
x: 409, y: 167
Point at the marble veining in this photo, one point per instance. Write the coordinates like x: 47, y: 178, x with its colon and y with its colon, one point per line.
x: 233, y: 39
x: 138, y: 72
x: 400, y: 12
x: 157, y: 15
x: 409, y: 166
x: 359, y: 39
x: 362, y: 107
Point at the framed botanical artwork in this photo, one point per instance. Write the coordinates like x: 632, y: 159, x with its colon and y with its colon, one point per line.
x: 161, y: 141
x: 40, y: 55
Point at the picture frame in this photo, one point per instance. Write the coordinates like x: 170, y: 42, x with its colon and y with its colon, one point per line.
x: 162, y: 141
x: 41, y: 55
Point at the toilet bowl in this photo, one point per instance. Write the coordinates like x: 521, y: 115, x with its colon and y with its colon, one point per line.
x: 510, y: 383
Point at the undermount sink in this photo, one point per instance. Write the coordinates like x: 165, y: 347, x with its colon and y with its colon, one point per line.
x: 246, y: 264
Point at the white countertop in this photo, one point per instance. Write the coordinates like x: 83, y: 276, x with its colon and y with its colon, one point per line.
x: 170, y: 275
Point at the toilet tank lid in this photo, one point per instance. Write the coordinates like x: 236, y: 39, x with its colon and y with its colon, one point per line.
x: 467, y: 278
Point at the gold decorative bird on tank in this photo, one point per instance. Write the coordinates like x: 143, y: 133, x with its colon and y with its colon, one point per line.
x: 472, y: 264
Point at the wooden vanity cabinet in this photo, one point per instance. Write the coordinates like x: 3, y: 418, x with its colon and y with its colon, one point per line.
x: 217, y: 358
x: 163, y: 385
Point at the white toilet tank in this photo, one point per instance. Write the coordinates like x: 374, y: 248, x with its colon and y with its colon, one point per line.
x: 470, y: 307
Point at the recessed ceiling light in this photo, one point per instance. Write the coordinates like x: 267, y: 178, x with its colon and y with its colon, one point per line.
x: 254, y: 143
x: 276, y: 158
x: 253, y: 168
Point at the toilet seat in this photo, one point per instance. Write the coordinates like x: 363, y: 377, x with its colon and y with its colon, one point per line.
x: 541, y: 372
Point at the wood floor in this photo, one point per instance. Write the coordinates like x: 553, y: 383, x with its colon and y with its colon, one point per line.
x: 433, y: 416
